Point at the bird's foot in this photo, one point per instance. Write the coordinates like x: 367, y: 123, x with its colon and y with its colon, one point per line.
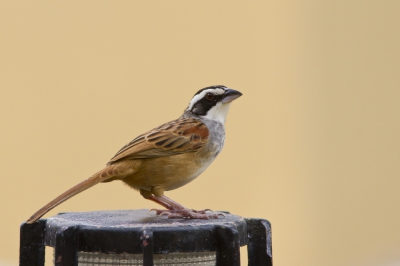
x: 201, y: 211
x: 210, y: 212
x: 160, y: 212
x: 188, y: 214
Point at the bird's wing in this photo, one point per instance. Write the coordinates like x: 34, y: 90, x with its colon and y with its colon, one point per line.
x: 175, y: 137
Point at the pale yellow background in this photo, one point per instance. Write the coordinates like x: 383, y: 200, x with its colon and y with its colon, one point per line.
x: 313, y: 144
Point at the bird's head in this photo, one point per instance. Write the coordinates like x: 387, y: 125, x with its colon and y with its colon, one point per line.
x: 213, y: 102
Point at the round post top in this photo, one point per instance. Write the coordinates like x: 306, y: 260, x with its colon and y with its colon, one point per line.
x: 118, y: 231
x: 134, y: 219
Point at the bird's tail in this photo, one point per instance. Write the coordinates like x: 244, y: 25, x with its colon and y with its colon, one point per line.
x: 100, y: 176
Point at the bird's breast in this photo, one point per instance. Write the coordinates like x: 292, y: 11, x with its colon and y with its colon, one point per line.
x: 169, y: 172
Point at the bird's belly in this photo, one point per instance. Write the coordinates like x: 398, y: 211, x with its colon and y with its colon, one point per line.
x: 168, y: 173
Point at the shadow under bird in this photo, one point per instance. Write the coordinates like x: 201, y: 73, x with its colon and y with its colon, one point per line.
x: 168, y: 156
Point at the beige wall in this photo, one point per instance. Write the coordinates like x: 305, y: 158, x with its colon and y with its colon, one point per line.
x: 313, y: 145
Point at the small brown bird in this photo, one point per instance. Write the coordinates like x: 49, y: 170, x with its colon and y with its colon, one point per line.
x: 168, y: 156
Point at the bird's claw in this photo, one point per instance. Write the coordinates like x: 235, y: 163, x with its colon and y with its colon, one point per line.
x: 201, y: 211
x: 189, y: 214
x: 159, y: 212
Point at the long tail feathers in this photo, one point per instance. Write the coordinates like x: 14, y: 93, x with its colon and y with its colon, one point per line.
x: 95, y: 179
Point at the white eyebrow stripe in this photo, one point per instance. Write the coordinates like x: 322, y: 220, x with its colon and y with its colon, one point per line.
x: 199, y: 96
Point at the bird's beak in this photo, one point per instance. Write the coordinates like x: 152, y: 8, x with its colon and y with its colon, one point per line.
x: 230, y: 95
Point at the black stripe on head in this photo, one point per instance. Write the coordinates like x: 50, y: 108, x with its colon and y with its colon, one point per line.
x: 211, y: 87
x: 202, y: 106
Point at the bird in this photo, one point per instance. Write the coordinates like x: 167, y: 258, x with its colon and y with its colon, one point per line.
x: 167, y: 157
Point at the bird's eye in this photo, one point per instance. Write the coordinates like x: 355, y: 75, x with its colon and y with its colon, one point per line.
x: 210, y: 96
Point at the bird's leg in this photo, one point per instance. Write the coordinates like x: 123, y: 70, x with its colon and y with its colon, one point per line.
x: 175, y: 205
x: 148, y: 195
x: 178, y: 206
x: 179, y: 211
x: 174, y: 209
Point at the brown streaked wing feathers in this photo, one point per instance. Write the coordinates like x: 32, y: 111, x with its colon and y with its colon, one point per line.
x: 175, y: 137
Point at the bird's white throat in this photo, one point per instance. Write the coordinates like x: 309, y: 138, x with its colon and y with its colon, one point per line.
x: 218, y: 112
